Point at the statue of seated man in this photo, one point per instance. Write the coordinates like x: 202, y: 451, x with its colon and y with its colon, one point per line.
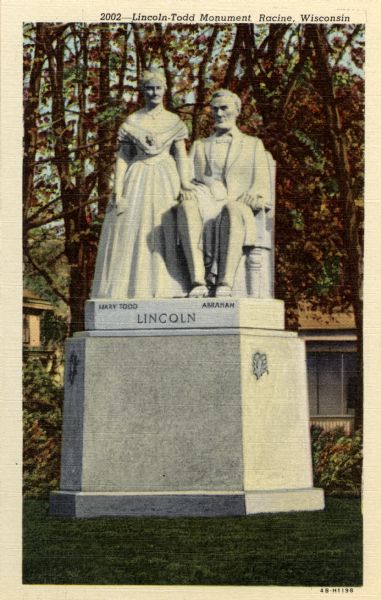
x: 217, y: 219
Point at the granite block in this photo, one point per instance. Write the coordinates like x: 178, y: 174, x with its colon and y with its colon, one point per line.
x: 148, y: 416
x: 184, y: 313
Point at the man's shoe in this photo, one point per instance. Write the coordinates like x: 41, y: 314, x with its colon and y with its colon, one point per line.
x: 199, y: 291
x: 223, y: 291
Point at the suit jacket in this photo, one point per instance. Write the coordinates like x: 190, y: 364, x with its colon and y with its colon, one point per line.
x: 247, y: 169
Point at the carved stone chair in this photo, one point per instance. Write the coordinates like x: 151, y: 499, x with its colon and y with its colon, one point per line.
x: 255, y: 273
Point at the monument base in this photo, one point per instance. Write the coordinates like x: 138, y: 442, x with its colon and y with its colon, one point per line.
x: 183, y: 504
x: 187, y: 420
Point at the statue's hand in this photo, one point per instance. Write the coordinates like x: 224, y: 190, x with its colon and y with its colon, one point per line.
x: 187, y: 192
x: 122, y: 135
x: 113, y: 202
x: 247, y: 198
x: 255, y: 201
x: 263, y: 204
x: 110, y: 206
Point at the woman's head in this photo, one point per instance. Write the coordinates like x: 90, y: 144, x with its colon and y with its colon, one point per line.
x: 153, y: 86
x: 153, y: 74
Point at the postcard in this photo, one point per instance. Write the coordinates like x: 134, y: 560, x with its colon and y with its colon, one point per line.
x: 191, y: 329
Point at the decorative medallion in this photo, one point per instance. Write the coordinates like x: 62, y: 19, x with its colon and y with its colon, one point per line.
x: 150, y: 140
x: 260, y: 364
x: 73, y: 367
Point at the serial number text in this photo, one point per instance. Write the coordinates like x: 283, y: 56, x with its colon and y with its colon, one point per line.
x: 111, y: 16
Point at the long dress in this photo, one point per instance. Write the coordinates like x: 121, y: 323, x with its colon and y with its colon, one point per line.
x: 138, y: 254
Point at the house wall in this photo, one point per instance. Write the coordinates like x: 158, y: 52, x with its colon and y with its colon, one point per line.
x: 33, y: 323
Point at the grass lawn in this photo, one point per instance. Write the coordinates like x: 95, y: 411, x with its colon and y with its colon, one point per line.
x: 306, y: 549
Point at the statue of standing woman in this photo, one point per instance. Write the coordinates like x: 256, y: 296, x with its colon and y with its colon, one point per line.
x: 139, y: 255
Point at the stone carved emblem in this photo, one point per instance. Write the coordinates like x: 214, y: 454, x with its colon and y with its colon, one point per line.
x: 259, y: 364
x: 73, y: 367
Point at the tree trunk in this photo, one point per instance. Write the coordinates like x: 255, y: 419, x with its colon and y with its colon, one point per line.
x: 167, y: 72
x: 234, y: 55
x: 87, y: 243
x: 201, y: 88
x: 123, y: 64
x: 74, y: 219
x: 30, y: 117
x: 141, y: 63
x: 105, y: 145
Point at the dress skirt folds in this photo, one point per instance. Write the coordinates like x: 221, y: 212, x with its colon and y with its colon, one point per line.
x: 138, y: 255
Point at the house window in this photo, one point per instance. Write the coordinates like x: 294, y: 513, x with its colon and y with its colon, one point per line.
x: 332, y: 383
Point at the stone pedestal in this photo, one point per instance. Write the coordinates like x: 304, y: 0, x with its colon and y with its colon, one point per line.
x: 165, y: 415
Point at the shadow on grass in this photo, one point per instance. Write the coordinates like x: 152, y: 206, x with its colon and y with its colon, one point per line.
x: 304, y: 549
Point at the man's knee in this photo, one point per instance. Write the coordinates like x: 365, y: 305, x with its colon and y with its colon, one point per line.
x: 232, y: 214
x: 232, y: 210
x: 230, y: 207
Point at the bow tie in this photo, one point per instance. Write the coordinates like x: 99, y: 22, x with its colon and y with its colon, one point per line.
x: 225, y: 138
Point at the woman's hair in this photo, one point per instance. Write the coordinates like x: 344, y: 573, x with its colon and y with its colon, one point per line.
x: 153, y: 74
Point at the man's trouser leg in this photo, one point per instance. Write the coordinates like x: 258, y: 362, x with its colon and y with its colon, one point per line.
x: 231, y: 241
x: 190, y: 226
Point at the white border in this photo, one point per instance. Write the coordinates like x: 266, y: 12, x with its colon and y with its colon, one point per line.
x: 14, y: 13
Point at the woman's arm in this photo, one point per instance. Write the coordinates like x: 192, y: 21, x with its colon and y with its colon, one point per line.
x: 183, y: 165
x: 121, y: 167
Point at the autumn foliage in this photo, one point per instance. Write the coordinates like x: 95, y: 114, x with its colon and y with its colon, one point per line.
x: 337, y: 461
x: 42, y: 420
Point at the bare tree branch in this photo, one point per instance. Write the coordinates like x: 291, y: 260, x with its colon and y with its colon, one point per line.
x: 91, y: 180
x: 45, y: 207
x: 349, y: 41
x: 294, y: 76
x: 54, y: 159
x: 47, y: 277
